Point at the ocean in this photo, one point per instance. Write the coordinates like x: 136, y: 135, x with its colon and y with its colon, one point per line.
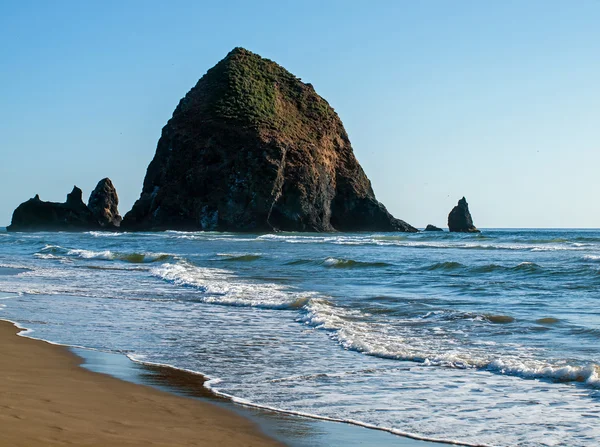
x: 486, y: 339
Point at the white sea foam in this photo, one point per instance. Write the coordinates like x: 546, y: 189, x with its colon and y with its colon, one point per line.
x: 333, y: 261
x: 15, y: 266
x: 58, y: 252
x: 46, y: 256
x: 351, y: 329
x: 52, y: 248
x: 104, y: 233
x: 402, y: 241
x: 220, y: 286
x: 210, y: 384
x: 89, y: 254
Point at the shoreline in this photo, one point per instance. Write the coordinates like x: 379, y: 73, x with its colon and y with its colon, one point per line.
x: 271, y: 426
x: 47, y: 398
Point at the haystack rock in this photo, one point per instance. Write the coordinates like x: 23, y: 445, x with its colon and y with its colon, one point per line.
x: 432, y: 228
x: 37, y: 215
x: 460, y: 220
x: 252, y: 148
x: 104, y: 204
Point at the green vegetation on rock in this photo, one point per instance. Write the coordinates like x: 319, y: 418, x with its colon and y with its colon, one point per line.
x: 257, y: 92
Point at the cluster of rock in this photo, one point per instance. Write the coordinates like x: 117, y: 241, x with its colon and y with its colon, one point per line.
x: 249, y: 148
x: 101, y: 212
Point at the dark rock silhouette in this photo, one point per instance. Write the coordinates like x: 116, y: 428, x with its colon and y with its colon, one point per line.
x: 432, y: 228
x: 252, y: 148
x: 460, y: 220
x: 104, y: 203
x: 37, y: 215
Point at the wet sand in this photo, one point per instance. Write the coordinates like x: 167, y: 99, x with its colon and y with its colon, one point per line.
x: 47, y: 399
x: 292, y: 430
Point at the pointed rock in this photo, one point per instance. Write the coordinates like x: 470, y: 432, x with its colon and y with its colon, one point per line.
x: 252, y: 148
x: 37, y: 215
x: 75, y: 198
x: 459, y: 219
x: 104, y: 204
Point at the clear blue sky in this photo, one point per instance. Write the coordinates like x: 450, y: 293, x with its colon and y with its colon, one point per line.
x: 497, y: 101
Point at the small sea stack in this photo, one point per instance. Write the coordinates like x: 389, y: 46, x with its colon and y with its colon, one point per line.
x: 104, y: 204
x: 460, y: 220
x: 72, y: 215
x: 38, y: 215
x: 432, y: 228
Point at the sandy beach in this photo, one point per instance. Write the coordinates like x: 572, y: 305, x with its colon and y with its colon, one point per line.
x: 46, y: 399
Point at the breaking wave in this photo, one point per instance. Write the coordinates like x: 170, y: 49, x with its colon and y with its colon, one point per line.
x: 243, y: 257
x: 57, y: 252
x: 445, y: 266
x: 219, y: 286
x: 352, y: 330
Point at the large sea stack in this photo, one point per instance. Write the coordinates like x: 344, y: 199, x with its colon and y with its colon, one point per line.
x: 252, y: 148
x: 460, y: 220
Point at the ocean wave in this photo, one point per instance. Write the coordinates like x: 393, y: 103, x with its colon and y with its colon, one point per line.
x: 310, y: 239
x: 46, y: 256
x: 55, y: 252
x: 588, y: 374
x: 587, y: 239
x: 109, y: 268
x: 351, y: 263
x: 451, y: 315
x: 13, y: 269
x: 218, y: 286
x: 139, y: 258
x: 585, y: 332
x: 447, y: 266
x: 300, y: 262
x: 89, y: 254
x: 134, y: 258
x: 352, y: 330
x: 526, y: 267
x: 55, y: 249
x: 339, y: 263
x: 420, y: 241
x: 240, y: 257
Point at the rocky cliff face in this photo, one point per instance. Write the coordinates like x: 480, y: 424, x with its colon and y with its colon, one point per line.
x: 460, y: 220
x: 252, y: 148
x: 104, y: 203
x: 37, y: 215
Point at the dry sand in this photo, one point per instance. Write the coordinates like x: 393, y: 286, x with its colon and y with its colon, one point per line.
x: 47, y: 399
